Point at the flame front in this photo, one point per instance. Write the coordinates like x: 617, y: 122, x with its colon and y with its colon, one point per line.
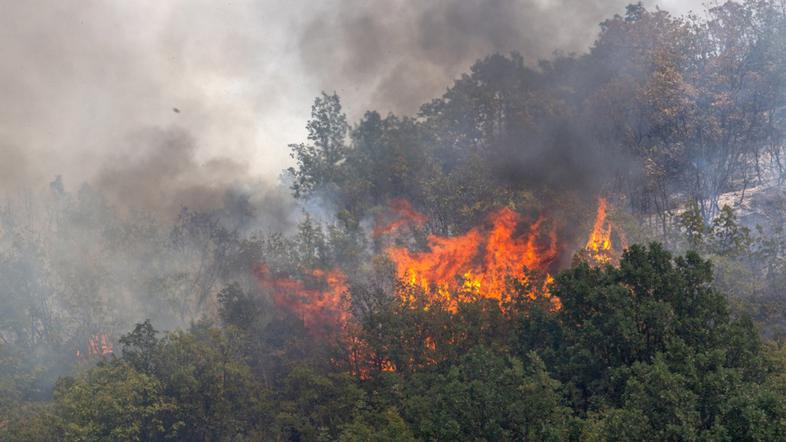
x: 479, y: 263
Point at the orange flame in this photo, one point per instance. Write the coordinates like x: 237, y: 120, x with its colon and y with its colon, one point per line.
x: 481, y: 263
x: 97, y: 345
x: 319, y: 300
x: 400, y: 213
x: 600, y: 248
x: 485, y: 259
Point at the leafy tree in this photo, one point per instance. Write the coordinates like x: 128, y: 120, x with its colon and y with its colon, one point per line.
x: 387, y: 426
x: 112, y: 402
x: 731, y: 238
x: 237, y: 308
x: 692, y: 223
x: 318, y: 163
x: 656, y: 321
x: 139, y: 347
x: 312, y: 406
x: 487, y: 397
x: 215, y: 390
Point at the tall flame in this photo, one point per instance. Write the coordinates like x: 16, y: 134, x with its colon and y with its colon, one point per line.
x: 480, y: 262
x: 600, y: 248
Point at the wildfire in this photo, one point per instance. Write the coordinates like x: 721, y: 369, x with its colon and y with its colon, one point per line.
x: 399, y: 214
x: 479, y: 263
x: 599, y: 249
x: 97, y: 345
x: 319, y: 299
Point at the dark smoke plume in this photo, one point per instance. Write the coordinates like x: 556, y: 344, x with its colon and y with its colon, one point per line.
x: 156, y: 169
x: 394, y: 55
x: 76, y: 82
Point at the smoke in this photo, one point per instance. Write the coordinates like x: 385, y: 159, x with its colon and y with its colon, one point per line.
x: 156, y: 170
x: 158, y: 106
x: 77, y: 82
x: 14, y: 167
x: 191, y: 103
x: 394, y: 55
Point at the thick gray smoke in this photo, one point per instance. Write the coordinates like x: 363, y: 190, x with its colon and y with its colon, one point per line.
x: 159, y: 105
x: 157, y: 170
x: 393, y: 55
x: 234, y: 79
x: 78, y: 82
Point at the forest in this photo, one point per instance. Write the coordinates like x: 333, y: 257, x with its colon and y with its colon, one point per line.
x: 590, y: 248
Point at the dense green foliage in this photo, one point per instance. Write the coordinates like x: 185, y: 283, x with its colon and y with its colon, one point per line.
x: 648, y: 350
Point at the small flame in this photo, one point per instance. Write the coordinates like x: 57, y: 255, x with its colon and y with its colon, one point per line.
x: 399, y: 214
x: 600, y: 249
x: 97, y: 345
x: 319, y: 299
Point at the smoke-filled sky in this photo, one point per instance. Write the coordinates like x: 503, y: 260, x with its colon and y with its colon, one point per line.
x: 144, y: 95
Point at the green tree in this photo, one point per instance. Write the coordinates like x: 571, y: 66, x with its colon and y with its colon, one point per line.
x: 140, y: 346
x: 487, y: 396
x: 312, y: 406
x: 730, y: 237
x: 113, y: 402
x: 318, y: 163
x: 654, y: 349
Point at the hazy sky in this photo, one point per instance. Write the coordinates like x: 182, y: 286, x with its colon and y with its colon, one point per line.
x: 88, y: 87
